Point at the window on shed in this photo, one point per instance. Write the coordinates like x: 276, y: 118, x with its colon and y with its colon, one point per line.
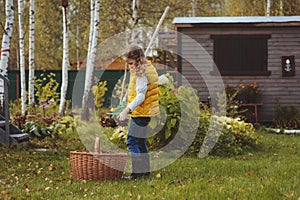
x: 241, y: 54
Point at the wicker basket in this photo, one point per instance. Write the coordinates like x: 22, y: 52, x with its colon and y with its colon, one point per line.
x: 97, y: 166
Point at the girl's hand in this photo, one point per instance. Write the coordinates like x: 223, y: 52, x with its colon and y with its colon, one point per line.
x: 123, y: 115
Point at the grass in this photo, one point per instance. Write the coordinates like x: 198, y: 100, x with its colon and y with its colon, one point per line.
x: 270, y: 172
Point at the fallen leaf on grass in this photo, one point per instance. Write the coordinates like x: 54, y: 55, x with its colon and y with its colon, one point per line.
x: 47, y: 188
x: 289, y: 195
x: 158, y: 175
x: 50, y: 168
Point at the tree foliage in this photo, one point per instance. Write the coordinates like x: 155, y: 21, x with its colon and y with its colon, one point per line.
x: 115, y: 17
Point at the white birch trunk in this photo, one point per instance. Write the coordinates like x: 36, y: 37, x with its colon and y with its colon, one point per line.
x: 91, y: 27
x: 65, y: 64
x: 134, y: 21
x: 268, y: 7
x: 91, y: 58
x: 31, y: 53
x: 5, y: 49
x: 7, y: 33
x: 22, y: 57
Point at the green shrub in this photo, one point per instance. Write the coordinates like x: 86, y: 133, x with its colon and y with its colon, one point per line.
x: 287, y: 117
x: 237, y: 136
x: 178, y: 108
x: 169, y: 118
x: 178, y: 115
x: 117, y: 135
x: 204, y: 122
x: 233, y: 108
x: 99, y: 91
x: 234, y: 137
x: 42, y: 118
x: 46, y: 89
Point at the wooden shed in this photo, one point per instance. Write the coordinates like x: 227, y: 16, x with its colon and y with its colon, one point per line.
x: 265, y: 50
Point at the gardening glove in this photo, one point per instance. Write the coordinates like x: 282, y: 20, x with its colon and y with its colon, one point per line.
x: 123, y: 115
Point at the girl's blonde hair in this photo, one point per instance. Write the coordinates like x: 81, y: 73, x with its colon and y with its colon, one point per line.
x: 136, y: 53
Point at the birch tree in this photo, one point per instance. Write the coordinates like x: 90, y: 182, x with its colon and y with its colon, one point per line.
x: 91, y: 28
x: 134, y: 20
x: 22, y: 57
x: 7, y: 33
x: 65, y: 60
x: 31, y: 53
x: 94, y: 29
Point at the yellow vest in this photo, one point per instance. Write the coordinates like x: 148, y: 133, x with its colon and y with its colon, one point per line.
x: 150, y: 106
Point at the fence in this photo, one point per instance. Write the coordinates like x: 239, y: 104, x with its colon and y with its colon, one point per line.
x: 76, y: 80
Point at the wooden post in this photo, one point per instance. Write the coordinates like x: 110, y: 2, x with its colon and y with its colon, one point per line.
x: 97, y: 146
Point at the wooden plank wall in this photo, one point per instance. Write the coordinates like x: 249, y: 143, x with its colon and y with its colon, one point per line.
x: 284, y: 41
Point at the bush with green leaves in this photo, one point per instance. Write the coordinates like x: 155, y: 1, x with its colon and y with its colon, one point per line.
x: 287, y: 117
x: 41, y: 128
x: 46, y: 88
x: 233, y: 108
x: 179, y: 116
x: 233, y: 136
x: 174, y: 103
x: 99, y: 91
x: 178, y: 105
x: 236, y: 137
x: 41, y: 117
x: 168, y: 120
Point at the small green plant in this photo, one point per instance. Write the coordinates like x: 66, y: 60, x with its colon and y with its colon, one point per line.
x: 232, y: 105
x: 46, y: 88
x: 117, y: 93
x: 66, y: 125
x: 99, y: 91
x: 287, y: 117
x: 117, y: 135
x: 16, y: 115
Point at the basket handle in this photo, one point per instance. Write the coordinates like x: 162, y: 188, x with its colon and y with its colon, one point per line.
x: 97, y: 145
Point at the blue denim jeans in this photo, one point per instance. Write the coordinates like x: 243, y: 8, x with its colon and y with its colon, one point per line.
x: 136, y: 143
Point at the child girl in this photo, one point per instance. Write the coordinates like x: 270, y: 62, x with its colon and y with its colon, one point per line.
x: 142, y: 104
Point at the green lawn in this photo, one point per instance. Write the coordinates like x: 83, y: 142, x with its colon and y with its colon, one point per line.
x: 270, y: 172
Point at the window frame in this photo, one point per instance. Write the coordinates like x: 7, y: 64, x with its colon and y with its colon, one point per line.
x: 217, y: 49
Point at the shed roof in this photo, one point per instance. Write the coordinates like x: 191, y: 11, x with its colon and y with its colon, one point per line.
x: 235, y: 19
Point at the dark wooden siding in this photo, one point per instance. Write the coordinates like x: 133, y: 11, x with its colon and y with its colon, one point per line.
x: 283, y: 41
